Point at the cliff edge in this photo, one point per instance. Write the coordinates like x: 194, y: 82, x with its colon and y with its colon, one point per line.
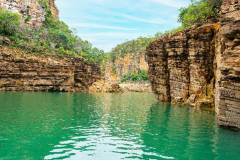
x: 22, y: 71
x: 33, y: 10
x: 200, y: 66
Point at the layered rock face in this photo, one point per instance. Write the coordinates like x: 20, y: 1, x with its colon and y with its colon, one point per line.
x: 157, y: 58
x: 228, y: 61
x: 201, y: 66
x: 33, y: 8
x: 20, y: 71
x: 130, y: 63
x: 182, y: 67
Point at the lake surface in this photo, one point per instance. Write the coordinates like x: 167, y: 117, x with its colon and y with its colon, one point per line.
x: 79, y: 126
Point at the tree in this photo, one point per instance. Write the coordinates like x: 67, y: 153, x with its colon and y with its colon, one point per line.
x: 199, y: 12
x: 9, y: 22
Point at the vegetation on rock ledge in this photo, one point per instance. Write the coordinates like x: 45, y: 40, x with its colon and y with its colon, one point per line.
x: 197, y: 12
x: 140, y: 76
x: 53, y: 38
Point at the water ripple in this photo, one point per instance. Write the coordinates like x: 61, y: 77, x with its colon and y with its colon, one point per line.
x: 73, y: 126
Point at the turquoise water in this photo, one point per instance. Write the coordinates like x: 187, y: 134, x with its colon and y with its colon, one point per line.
x: 79, y: 126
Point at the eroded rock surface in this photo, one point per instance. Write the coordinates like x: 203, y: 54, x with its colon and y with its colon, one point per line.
x: 200, y: 66
x: 129, y: 64
x: 31, y: 8
x: 143, y: 87
x: 228, y: 61
x: 105, y: 86
x: 20, y: 71
x: 182, y: 67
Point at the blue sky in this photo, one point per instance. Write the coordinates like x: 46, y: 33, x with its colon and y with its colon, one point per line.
x: 106, y: 23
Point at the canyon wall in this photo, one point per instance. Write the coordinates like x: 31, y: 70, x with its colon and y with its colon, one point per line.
x: 31, y: 8
x: 182, y: 67
x: 129, y: 64
x: 228, y: 62
x: 200, y: 66
x: 21, y: 71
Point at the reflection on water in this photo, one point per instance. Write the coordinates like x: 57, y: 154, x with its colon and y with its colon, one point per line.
x: 108, y: 126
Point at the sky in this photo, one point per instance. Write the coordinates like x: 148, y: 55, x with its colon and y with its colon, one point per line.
x: 107, y: 23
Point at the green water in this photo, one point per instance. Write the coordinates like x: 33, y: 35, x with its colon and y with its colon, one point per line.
x: 78, y: 126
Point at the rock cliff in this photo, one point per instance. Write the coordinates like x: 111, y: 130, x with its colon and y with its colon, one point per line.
x: 36, y: 9
x: 131, y: 63
x: 228, y: 62
x: 128, y: 64
x: 201, y: 66
x: 21, y: 71
x: 182, y: 66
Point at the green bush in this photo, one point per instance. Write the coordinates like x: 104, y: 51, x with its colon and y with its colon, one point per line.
x: 9, y: 22
x: 114, y: 70
x: 140, y: 76
x: 143, y: 75
x: 199, y: 12
x: 28, y: 19
x: 44, y: 4
x: 54, y: 37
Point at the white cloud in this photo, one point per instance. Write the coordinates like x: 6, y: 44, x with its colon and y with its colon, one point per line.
x: 153, y: 21
x: 106, y: 43
x: 172, y: 3
x: 89, y: 25
x: 113, y: 34
x: 106, y: 23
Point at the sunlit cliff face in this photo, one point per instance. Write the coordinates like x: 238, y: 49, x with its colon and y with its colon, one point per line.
x: 34, y: 10
x: 130, y: 63
x: 200, y: 66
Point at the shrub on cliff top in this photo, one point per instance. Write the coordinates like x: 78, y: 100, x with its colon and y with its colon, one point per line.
x: 199, y: 12
x: 9, y: 22
x: 53, y: 38
x: 140, y: 76
x: 134, y: 46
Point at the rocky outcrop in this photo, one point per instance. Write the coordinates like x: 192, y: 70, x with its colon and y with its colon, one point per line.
x: 143, y: 87
x: 228, y: 62
x: 20, y: 71
x: 200, y: 66
x: 104, y: 86
x: 34, y: 9
x: 182, y: 67
x: 129, y: 64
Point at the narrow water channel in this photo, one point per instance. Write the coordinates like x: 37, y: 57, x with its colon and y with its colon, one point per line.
x: 74, y: 126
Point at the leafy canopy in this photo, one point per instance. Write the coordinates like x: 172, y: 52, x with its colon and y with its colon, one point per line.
x: 140, y: 76
x: 199, y: 12
x: 9, y: 22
